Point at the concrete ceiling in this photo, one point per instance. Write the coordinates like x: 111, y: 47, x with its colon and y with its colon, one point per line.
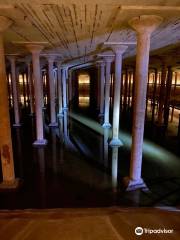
x: 78, y: 28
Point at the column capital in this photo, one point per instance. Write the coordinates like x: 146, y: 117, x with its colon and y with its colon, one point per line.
x: 100, y: 63
x: 109, y: 59
x: 145, y: 24
x: 64, y: 67
x: 12, y: 57
x: 5, y: 23
x: 107, y: 56
x: 58, y: 63
x: 119, y: 49
x: 50, y: 58
x: 34, y: 48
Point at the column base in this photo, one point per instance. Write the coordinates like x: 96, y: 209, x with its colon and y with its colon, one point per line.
x: 106, y: 125
x: 53, y: 124
x: 116, y: 142
x: 60, y: 115
x: 40, y: 142
x: 65, y: 109
x: 101, y: 115
x: 131, y: 185
x: 17, y: 125
x: 8, y: 185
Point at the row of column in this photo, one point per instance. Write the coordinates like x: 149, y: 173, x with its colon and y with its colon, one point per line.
x: 144, y: 26
x: 36, y: 86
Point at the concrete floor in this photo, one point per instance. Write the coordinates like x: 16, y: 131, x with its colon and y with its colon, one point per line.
x: 88, y: 224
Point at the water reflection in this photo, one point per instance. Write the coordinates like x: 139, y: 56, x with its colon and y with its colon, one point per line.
x: 106, y: 146
x: 54, y: 150
x: 41, y: 176
x: 19, y: 150
x: 114, y: 168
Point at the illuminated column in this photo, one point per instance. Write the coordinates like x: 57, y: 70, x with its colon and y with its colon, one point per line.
x: 154, y: 94
x: 70, y: 85
x: 35, y: 49
x: 168, y: 95
x: 162, y: 95
x: 64, y: 84
x: 118, y: 50
x: 125, y: 90
x: 102, y: 81
x: 53, y: 122
x: 30, y: 82
x: 42, y: 87
x: 15, y: 85
x: 6, y: 152
x: 108, y: 58
x: 59, y: 71
x: 144, y: 26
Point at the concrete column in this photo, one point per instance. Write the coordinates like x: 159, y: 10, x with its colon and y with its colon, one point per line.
x: 118, y: 50
x: 15, y: 86
x: 35, y: 49
x: 101, y: 64
x: 42, y: 87
x: 162, y: 95
x: 144, y: 26
x: 6, y: 152
x: 53, y: 122
x: 167, y: 97
x: 125, y: 90
x: 70, y: 85
x: 108, y: 61
x: 154, y: 94
x: 64, y: 84
x: 59, y: 75
x: 30, y: 82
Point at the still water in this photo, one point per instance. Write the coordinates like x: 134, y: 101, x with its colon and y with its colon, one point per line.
x: 78, y: 168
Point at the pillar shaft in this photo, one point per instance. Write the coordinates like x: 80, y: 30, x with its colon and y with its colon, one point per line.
x: 64, y: 88
x: 30, y: 82
x: 15, y: 87
x: 38, y: 96
x: 162, y: 95
x: 117, y: 92
x: 102, y: 78
x: 167, y: 97
x: 52, y: 92
x: 142, y: 61
x: 59, y: 73
x: 5, y: 130
x: 35, y: 49
x: 108, y: 61
x: 154, y: 94
x: 144, y: 26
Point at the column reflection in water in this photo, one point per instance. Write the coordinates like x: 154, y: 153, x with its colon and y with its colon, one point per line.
x: 61, y: 129
x: 106, y: 145
x: 114, y: 168
x: 61, y: 137
x: 42, y: 181
x: 54, y: 150
x: 66, y: 132
x: 19, y: 150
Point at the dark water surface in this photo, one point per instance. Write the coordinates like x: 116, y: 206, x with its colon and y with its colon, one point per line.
x: 78, y: 169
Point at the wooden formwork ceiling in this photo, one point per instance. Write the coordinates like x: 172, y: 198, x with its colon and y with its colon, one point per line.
x: 79, y: 28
